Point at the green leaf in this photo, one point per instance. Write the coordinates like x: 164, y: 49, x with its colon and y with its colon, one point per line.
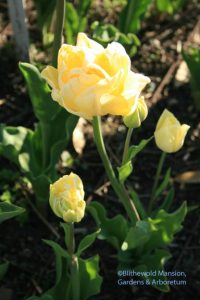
x: 61, y: 289
x: 83, y: 7
x: 86, y: 242
x: 164, y: 226
x: 3, y: 269
x: 57, y: 248
x: 134, y: 150
x: 192, y: 58
x: 45, y: 10
x: 112, y: 229
x: 44, y: 107
x: 154, y: 262
x: 129, y: 20
x: 40, y: 186
x: 60, y: 132
x: 71, y: 23
x: 124, y: 171
x: 136, y: 200
x: 90, y: 280
x: 107, y: 33
x: 11, y: 141
x: 168, y: 200
x: 163, y: 184
x: 137, y: 236
x: 169, y: 6
x: 8, y: 211
x: 54, y: 129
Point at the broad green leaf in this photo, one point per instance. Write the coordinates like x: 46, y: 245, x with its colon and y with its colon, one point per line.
x: 124, y: 171
x: 11, y: 141
x: 57, y: 248
x: 3, y: 269
x: 163, y: 184
x: 56, y: 125
x: 8, y: 211
x: 86, y: 242
x: 131, y: 15
x: 112, y: 229
x: 40, y: 186
x: 90, y: 280
x: 59, y: 137
x: 192, y: 58
x: 61, y: 289
x: 154, y: 262
x: 134, y: 150
x: 44, y: 107
x: 137, y: 236
x: 18, y: 145
x: 164, y: 226
x: 28, y: 160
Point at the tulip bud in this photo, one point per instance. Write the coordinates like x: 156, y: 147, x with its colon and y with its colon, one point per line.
x: 170, y: 134
x: 134, y: 120
x: 67, y: 198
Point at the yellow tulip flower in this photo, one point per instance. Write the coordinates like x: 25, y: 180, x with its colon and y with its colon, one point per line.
x: 170, y: 134
x: 94, y: 81
x: 67, y: 198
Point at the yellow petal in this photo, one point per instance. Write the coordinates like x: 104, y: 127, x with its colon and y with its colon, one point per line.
x: 134, y: 84
x: 50, y: 74
x: 84, y: 41
x: 167, y: 119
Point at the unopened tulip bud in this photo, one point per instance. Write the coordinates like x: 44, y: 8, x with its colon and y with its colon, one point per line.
x: 67, y: 198
x: 135, y: 119
x: 170, y: 134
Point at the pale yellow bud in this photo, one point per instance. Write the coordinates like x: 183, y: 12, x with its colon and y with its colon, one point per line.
x: 67, y: 198
x: 134, y: 119
x: 170, y: 134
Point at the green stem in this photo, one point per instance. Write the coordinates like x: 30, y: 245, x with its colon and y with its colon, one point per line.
x: 156, y: 180
x: 74, y: 265
x: 117, y: 186
x: 60, y: 15
x: 71, y: 243
x: 126, y: 145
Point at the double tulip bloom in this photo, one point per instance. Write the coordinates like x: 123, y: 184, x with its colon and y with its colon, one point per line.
x: 67, y: 198
x: 94, y: 81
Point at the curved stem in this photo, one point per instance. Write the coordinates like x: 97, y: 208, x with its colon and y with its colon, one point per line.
x: 60, y: 15
x: 156, y: 180
x: 126, y: 145
x: 117, y: 186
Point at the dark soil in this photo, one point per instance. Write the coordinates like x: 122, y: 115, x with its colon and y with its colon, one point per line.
x: 32, y: 268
